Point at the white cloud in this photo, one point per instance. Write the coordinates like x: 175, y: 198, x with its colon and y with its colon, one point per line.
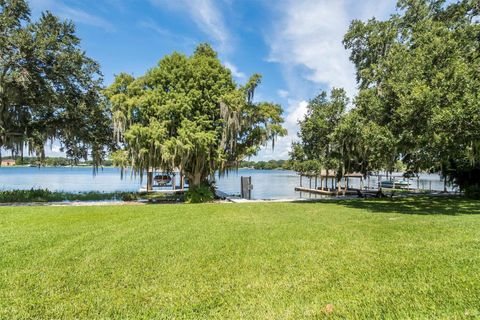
x: 309, y: 35
x: 283, y: 93
x: 165, y: 33
x: 206, y: 15
x: 306, y: 41
x: 295, y: 112
x: 236, y: 73
x: 149, y: 24
x: 70, y: 13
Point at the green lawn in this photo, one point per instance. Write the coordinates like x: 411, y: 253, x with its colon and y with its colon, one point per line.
x: 366, y: 259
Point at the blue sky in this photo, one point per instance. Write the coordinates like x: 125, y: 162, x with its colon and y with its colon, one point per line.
x: 295, y: 44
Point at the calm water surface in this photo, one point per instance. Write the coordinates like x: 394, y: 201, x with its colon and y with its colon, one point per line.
x: 267, y: 184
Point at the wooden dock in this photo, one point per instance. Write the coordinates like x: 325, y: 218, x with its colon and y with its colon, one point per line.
x: 165, y: 191
x: 342, y: 192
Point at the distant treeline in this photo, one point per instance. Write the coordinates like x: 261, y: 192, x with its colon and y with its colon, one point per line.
x: 53, y: 162
x: 268, y: 165
x: 65, y: 162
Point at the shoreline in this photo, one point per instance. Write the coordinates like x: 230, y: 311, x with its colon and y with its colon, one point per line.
x: 40, y: 167
x: 71, y: 203
x: 90, y: 166
x: 219, y: 201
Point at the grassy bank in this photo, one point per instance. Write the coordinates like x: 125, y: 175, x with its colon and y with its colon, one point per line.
x: 409, y: 258
x: 45, y: 195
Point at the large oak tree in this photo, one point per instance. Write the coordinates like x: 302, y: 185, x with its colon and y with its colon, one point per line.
x: 49, y: 88
x: 419, y: 80
x: 188, y: 113
x: 418, y: 74
x: 317, y: 149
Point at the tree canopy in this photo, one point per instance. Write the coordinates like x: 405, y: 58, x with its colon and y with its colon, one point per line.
x: 419, y: 79
x: 188, y: 113
x: 49, y: 88
x: 317, y: 148
x: 418, y: 75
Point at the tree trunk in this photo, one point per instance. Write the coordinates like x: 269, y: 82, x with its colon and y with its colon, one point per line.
x: 3, y: 107
x: 2, y: 99
x: 194, y: 180
x: 149, y: 181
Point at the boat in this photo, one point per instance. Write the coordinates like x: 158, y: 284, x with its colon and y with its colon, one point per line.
x: 389, y: 184
x: 162, y: 179
x: 167, y: 183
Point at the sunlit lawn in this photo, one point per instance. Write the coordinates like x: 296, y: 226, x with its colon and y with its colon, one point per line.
x: 352, y: 259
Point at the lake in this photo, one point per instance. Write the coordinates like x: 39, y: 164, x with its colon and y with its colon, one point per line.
x: 267, y: 184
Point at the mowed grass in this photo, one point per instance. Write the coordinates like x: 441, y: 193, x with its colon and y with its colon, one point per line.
x: 387, y: 259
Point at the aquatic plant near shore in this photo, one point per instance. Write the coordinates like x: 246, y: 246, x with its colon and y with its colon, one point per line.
x: 45, y: 195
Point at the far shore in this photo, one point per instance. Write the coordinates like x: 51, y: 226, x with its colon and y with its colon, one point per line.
x: 77, y: 166
x: 91, y: 166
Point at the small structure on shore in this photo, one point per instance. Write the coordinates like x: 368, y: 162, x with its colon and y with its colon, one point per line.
x: 326, y: 182
x: 8, y: 163
x: 165, y: 182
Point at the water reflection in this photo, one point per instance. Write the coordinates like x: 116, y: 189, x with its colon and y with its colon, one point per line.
x: 267, y: 184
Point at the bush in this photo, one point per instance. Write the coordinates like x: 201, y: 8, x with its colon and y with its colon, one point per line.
x: 45, y: 195
x: 465, y: 176
x: 198, y: 194
x: 33, y: 195
x: 473, y: 191
x: 126, y: 196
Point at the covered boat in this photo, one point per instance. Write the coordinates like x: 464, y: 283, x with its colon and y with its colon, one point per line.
x: 162, y: 179
x: 401, y: 184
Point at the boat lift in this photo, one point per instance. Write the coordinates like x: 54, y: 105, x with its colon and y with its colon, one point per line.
x: 165, y: 182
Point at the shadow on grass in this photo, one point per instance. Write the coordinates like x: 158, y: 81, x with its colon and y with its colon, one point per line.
x: 418, y: 205
x: 415, y: 205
